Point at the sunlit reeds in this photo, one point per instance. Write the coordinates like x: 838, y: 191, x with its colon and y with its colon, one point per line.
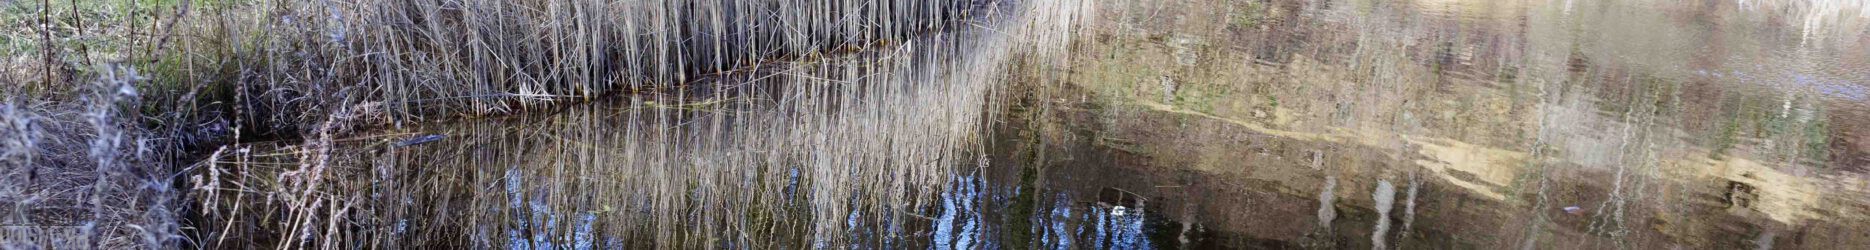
x: 676, y: 123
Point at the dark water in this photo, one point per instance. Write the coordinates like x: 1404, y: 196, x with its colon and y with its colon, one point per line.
x: 1196, y: 124
x: 1495, y: 124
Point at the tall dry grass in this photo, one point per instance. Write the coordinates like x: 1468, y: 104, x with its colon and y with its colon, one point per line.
x: 761, y: 124
x: 691, y: 124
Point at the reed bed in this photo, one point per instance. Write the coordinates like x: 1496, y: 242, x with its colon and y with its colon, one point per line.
x: 369, y: 123
x: 771, y: 138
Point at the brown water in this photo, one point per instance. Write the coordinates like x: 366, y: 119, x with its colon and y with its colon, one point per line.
x: 1495, y: 124
x: 1182, y: 124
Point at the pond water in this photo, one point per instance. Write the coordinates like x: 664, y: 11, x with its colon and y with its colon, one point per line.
x: 1203, y: 124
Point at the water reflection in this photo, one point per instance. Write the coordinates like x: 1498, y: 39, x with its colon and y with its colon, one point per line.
x: 959, y: 226
x: 1638, y: 114
x: 824, y: 151
x: 1206, y: 124
x: 1116, y: 221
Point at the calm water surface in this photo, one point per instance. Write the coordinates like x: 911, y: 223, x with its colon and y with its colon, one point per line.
x: 1209, y: 124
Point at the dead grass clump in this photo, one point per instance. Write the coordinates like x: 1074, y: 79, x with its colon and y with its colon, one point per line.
x: 78, y: 174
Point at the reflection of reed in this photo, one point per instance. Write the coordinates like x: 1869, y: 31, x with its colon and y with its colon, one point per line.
x: 854, y: 126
